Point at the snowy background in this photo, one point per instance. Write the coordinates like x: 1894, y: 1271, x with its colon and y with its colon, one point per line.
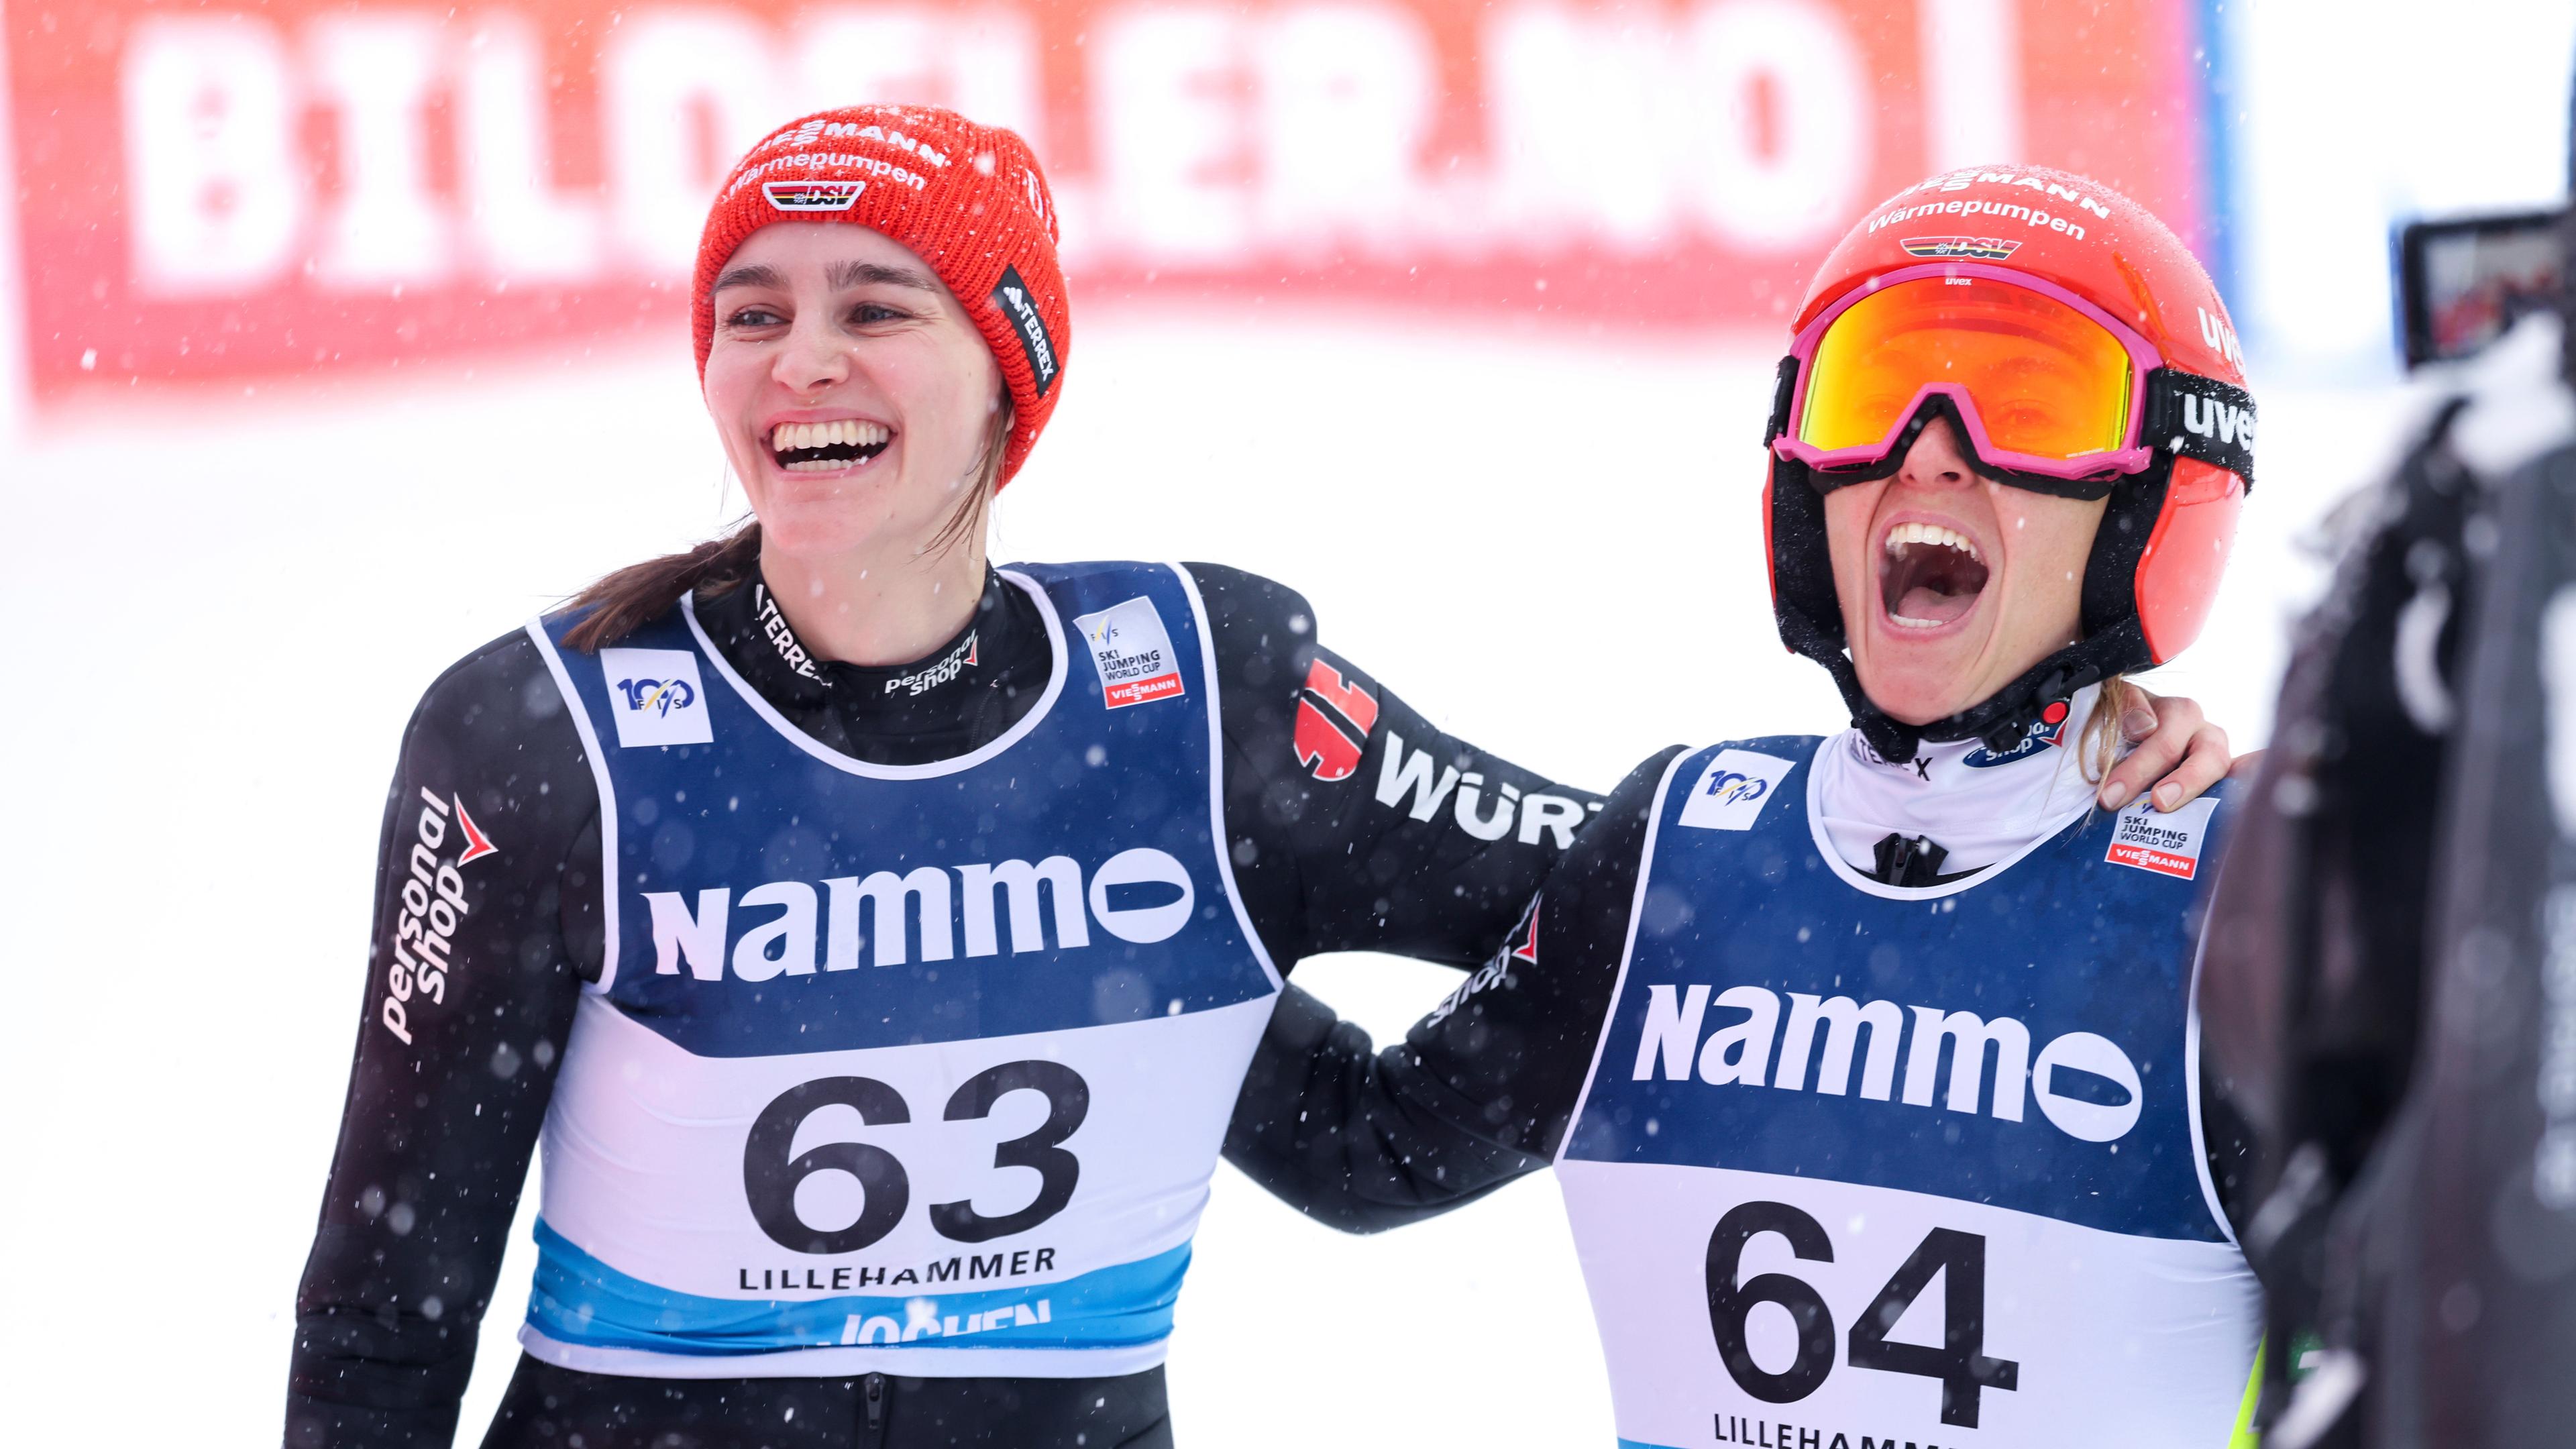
x: 232, y: 605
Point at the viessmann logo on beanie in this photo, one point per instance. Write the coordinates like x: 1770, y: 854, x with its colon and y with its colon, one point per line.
x: 968, y: 199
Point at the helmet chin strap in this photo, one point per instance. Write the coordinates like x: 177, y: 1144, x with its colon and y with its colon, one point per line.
x: 2001, y: 720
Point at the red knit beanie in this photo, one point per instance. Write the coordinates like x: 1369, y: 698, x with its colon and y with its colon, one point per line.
x: 967, y: 199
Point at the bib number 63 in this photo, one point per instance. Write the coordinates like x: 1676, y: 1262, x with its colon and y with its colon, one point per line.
x: 772, y: 1170
x: 1960, y: 1363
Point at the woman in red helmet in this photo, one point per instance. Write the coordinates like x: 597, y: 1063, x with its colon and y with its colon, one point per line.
x: 1809, y: 1026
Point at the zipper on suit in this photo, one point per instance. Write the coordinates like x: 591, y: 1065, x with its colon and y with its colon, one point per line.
x: 873, y: 1389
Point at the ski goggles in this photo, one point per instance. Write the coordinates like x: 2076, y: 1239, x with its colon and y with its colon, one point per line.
x: 2049, y: 392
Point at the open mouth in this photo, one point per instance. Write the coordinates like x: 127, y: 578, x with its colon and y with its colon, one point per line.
x: 1929, y: 576
x: 827, y: 447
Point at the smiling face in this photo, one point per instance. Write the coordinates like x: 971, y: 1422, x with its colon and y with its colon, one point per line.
x: 853, y: 395
x: 1953, y: 584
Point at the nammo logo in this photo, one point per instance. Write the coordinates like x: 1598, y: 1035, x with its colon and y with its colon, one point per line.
x: 657, y: 696
x: 1140, y: 896
x: 2083, y: 1083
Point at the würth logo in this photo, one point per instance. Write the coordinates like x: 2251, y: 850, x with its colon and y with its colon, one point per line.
x: 1012, y: 296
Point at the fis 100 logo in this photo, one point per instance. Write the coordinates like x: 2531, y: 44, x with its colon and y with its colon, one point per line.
x: 1729, y: 787
x: 656, y: 697
x: 1731, y: 791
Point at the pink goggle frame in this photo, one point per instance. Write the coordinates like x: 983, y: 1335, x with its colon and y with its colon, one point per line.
x: 2144, y: 359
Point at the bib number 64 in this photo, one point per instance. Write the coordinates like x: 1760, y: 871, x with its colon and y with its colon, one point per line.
x: 1960, y: 1363
x: 771, y: 1175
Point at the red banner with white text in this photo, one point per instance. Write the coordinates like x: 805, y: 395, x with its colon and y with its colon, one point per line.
x: 243, y: 188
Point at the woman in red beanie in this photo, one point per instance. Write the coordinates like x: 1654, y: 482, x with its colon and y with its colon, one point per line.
x: 876, y: 939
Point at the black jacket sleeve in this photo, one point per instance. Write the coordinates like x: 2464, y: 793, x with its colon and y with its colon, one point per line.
x: 487, y: 894
x: 1355, y: 824
x: 1482, y: 1088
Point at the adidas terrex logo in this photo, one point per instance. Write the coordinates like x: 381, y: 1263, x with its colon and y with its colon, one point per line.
x: 1012, y: 296
x: 782, y: 638
x: 931, y: 676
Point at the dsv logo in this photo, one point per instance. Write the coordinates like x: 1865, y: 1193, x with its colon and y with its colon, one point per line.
x: 1730, y: 787
x: 657, y: 696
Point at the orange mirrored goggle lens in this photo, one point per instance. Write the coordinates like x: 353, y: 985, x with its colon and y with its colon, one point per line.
x: 2046, y: 379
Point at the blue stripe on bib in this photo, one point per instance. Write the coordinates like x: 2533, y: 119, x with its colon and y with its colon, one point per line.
x: 579, y: 1299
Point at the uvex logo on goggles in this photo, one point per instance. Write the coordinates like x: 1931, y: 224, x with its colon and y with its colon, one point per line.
x: 2047, y: 390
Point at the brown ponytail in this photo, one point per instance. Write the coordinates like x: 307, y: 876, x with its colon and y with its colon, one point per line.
x: 638, y: 593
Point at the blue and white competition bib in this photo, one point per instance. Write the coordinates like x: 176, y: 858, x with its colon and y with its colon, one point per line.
x: 908, y: 1069
x: 1862, y: 1167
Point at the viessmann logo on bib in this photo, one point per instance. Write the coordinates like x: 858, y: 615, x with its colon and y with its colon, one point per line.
x: 1133, y: 651
x: 2149, y: 839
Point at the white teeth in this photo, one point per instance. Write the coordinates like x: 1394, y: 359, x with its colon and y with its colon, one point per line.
x: 842, y: 432
x: 1906, y: 533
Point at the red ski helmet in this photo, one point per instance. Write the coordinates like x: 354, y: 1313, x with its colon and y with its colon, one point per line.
x: 2176, y: 475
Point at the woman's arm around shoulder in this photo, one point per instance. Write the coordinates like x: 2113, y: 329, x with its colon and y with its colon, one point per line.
x: 1354, y: 823
x: 487, y: 910
x: 1480, y: 1090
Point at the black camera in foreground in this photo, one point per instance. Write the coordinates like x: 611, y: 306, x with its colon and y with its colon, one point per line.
x: 2388, y: 995
x: 2463, y: 282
